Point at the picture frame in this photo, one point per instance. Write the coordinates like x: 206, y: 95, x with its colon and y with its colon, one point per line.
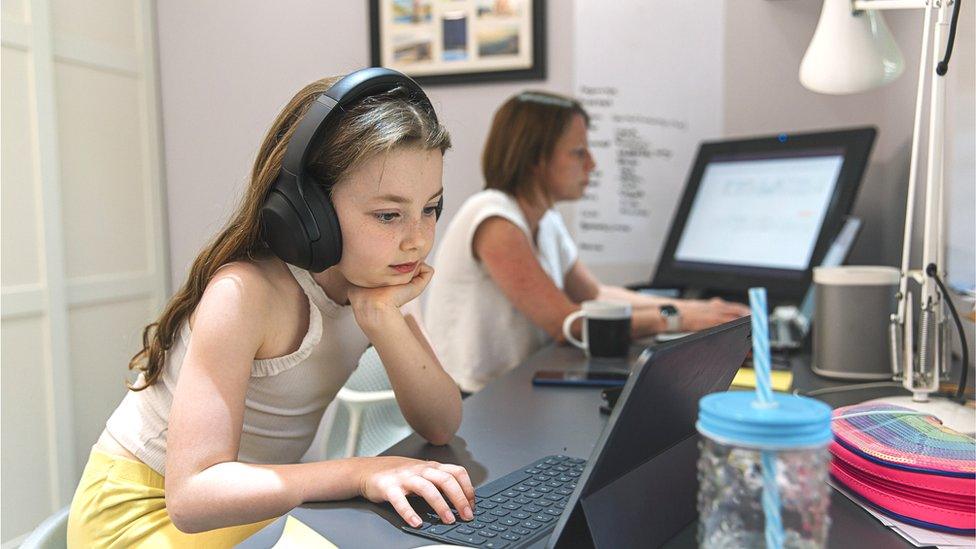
x: 459, y: 41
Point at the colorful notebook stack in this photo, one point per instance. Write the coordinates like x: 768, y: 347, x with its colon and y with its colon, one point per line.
x: 909, y: 467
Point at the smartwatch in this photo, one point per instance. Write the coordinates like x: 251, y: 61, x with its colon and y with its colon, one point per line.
x: 672, y: 318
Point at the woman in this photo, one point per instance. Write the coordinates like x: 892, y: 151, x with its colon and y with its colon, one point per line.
x: 508, y: 271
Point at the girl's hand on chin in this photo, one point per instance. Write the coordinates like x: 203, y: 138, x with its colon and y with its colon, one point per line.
x: 371, y: 304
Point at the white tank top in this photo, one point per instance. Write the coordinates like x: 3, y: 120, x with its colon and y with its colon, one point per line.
x: 286, y: 396
x: 476, y: 331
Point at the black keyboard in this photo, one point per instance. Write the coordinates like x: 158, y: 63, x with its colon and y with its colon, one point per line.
x: 513, y: 511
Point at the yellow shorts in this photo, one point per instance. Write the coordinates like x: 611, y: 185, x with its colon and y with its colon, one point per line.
x: 120, y: 503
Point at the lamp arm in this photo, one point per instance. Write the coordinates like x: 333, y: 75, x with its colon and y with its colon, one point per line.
x: 863, y: 5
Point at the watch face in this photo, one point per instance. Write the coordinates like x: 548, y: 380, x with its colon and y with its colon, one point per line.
x: 669, y: 310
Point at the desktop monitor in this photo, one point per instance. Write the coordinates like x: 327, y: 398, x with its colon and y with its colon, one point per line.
x: 763, y: 212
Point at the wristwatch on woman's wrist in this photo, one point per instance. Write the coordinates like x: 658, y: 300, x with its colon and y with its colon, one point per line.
x: 672, y: 318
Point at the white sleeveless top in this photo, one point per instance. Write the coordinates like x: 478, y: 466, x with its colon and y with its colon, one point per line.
x: 476, y: 331
x: 286, y: 396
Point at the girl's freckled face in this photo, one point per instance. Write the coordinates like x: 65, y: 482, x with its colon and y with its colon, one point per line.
x: 387, y: 213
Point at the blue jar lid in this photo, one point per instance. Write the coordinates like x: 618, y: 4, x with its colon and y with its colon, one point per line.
x: 738, y: 418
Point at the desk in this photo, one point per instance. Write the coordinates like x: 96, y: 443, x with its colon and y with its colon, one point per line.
x: 511, y: 423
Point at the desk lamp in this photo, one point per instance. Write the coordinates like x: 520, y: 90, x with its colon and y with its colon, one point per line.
x: 853, y: 51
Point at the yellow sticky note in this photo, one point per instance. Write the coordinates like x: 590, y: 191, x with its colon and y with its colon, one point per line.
x: 298, y: 535
x: 781, y: 380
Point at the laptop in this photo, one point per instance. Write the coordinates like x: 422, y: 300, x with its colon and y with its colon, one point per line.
x: 639, y: 486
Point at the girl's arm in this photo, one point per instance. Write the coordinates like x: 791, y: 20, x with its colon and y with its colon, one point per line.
x: 427, y: 396
x: 207, y: 487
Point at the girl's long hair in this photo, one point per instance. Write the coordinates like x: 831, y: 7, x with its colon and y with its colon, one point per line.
x: 373, y: 126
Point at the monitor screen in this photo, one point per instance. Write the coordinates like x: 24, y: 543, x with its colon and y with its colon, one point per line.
x: 760, y: 210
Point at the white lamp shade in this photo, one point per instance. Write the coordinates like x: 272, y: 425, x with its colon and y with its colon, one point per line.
x: 850, y: 52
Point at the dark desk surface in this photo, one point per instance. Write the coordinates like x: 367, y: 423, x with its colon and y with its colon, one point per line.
x: 511, y: 423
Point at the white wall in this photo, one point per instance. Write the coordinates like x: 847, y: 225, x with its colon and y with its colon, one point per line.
x: 227, y: 67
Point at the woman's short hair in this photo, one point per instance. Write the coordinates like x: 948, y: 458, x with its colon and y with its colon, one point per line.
x: 523, y: 134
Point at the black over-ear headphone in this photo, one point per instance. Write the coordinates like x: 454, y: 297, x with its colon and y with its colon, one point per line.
x: 298, y: 221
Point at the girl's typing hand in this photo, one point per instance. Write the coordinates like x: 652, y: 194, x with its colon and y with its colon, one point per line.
x: 392, y: 479
x: 370, y: 304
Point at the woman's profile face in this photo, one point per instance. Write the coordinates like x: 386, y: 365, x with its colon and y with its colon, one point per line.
x: 387, y: 212
x: 566, y: 173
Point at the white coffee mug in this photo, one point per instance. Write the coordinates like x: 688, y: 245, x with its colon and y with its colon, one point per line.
x: 606, y: 328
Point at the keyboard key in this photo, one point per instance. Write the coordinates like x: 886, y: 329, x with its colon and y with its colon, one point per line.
x: 486, y: 533
x: 477, y: 525
x: 542, y: 466
x: 499, y: 499
x: 521, y: 531
x: 511, y: 494
x: 553, y: 497
x: 550, y: 461
x: 498, y: 528
x: 521, y: 500
x: 532, y: 483
x: 553, y: 511
x: 510, y: 537
x: 487, y: 518
x: 561, y: 469
x: 539, y: 517
x: 531, y: 509
x: 464, y: 529
x: 440, y: 529
x: 499, y: 512
x: 531, y: 524
x: 522, y: 488
x: 520, y: 515
x: 543, y: 489
x: 495, y: 544
x: 469, y: 539
x: 564, y: 478
x: 533, y: 495
x: 511, y: 506
x: 555, y: 484
x: 508, y: 521
x: 564, y: 491
x: 532, y: 471
x: 486, y: 505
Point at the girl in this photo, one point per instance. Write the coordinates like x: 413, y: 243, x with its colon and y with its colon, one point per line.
x: 508, y: 271
x: 237, y: 371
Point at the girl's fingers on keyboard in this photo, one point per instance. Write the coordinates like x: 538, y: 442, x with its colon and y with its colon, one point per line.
x: 461, y: 474
x: 400, y: 504
x: 426, y: 489
x: 451, y: 488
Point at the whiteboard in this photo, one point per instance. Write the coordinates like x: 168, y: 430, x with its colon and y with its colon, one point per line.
x: 650, y: 74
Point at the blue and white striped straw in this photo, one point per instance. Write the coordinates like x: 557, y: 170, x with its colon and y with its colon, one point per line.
x: 764, y: 394
x: 760, y: 344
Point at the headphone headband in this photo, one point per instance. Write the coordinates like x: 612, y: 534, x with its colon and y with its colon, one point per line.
x: 350, y: 89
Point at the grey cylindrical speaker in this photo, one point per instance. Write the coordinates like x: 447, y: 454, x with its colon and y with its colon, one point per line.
x: 850, y: 330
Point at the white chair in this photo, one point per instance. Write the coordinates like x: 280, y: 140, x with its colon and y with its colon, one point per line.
x: 367, y: 419
x: 50, y: 534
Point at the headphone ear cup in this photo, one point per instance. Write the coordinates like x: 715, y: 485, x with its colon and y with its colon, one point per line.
x: 283, y: 232
x: 439, y: 207
x: 327, y: 251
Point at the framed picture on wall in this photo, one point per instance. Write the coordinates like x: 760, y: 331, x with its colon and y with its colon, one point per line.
x: 459, y: 41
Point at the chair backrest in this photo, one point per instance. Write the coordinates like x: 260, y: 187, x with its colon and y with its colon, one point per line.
x: 380, y: 423
x: 50, y: 534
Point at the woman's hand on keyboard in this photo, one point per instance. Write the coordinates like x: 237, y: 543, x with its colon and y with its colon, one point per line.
x: 392, y: 479
x: 698, y: 314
